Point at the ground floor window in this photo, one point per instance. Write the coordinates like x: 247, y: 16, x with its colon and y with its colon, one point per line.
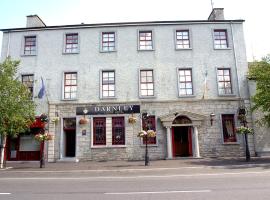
x: 99, y: 134
x: 149, y: 123
x: 228, y: 126
x: 118, y: 131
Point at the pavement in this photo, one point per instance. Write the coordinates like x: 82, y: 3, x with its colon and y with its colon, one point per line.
x: 233, y: 163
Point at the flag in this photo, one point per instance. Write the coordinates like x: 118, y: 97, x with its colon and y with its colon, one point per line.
x: 42, y: 90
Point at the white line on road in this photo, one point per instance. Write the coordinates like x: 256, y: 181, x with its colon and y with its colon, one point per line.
x: 158, y: 192
x: 4, y: 193
x: 136, y: 177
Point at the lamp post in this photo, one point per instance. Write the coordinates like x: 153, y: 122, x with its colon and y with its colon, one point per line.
x: 243, y: 121
x: 146, y: 125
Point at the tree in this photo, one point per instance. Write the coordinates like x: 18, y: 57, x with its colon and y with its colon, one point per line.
x: 260, y: 72
x: 16, y: 107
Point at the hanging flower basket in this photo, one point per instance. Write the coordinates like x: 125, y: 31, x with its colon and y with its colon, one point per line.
x: 83, y: 121
x: 44, y: 118
x: 43, y: 137
x: 244, y: 130
x: 55, y: 119
x: 149, y: 133
x: 132, y: 120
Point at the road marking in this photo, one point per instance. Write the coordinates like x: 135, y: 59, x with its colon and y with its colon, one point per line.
x: 134, y: 177
x: 158, y: 192
x: 4, y: 193
x: 108, y: 170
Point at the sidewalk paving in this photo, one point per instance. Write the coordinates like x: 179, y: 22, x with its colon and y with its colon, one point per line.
x: 129, y: 165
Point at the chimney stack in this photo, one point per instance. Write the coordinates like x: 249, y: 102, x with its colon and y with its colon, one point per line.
x: 216, y: 14
x: 34, y: 21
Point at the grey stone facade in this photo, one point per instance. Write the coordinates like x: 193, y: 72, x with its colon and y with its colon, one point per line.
x: 50, y: 63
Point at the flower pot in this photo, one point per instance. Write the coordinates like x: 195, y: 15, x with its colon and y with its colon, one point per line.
x: 83, y: 121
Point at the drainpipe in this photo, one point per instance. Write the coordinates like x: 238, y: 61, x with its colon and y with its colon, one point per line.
x: 8, y: 47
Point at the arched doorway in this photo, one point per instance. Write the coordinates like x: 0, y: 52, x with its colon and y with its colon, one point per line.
x: 182, y: 137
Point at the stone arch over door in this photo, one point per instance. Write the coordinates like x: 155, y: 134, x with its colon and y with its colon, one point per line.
x: 182, y: 118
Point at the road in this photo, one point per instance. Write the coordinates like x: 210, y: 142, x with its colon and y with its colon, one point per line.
x: 151, y: 184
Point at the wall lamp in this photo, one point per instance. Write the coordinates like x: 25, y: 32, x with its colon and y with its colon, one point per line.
x: 212, y: 116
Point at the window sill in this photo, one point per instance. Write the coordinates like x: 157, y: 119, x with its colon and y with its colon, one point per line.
x: 106, y: 98
x: 24, y: 55
x: 177, y: 49
x: 146, y: 49
x: 69, y: 99
x: 186, y: 96
x: 149, y: 145
x: 222, y: 48
x: 66, y: 53
x: 227, y: 95
x: 109, y: 147
x: 147, y: 97
x: 113, y: 51
x: 230, y: 143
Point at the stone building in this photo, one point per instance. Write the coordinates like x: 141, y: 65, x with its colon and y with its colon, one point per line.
x: 183, y: 79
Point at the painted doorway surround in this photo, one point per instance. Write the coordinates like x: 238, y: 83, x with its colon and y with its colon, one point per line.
x: 186, y: 119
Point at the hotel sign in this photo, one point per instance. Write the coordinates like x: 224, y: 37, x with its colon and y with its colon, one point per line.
x: 110, y: 109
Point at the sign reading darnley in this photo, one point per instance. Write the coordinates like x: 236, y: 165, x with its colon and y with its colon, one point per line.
x: 111, y: 109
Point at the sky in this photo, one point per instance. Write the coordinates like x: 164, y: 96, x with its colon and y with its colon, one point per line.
x: 63, y: 12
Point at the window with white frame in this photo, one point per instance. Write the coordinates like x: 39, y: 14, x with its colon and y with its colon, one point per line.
x: 182, y: 39
x: 70, y: 85
x: 224, y: 81
x: 30, y: 45
x: 28, y: 81
x: 72, y: 43
x: 220, y: 39
x: 108, y: 41
x: 228, y: 128
x: 185, y: 82
x: 108, y: 84
x: 145, y: 40
x: 146, y: 83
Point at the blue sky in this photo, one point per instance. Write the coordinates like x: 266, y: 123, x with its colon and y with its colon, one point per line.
x: 61, y: 12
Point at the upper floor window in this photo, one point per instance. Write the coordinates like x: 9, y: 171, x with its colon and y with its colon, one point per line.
x: 72, y: 43
x: 149, y: 123
x: 30, y: 45
x: 228, y: 127
x: 224, y: 81
x: 70, y: 85
x: 145, y: 40
x: 28, y: 81
x: 146, y: 83
x: 118, y: 131
x: 108, y: 84
x: 108, y: 41
x: 185, y: 82
x: 220, y: 39
x: 182, y: 39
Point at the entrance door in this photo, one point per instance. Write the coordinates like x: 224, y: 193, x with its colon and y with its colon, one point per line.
x: 182, y: 141
x: 70, y: 143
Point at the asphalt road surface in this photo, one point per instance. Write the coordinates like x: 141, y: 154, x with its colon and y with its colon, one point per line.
x: 152, y: 184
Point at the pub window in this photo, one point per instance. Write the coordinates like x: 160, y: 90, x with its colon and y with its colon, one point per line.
x: 146, y: 40
x: 72, y: 43
x: 70, y: 85
x: 99, y: 135
x: 118, y: 131
x: 224, y: 81
x: 108, y: 84
x: 149, y: 123
x: 228, y: 127
x: 146, y: 83
x: 28, y: 81
x: 108, y: 41
x: 30, y: 45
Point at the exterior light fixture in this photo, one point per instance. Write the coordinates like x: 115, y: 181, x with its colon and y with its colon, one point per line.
x: 212, y: 116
